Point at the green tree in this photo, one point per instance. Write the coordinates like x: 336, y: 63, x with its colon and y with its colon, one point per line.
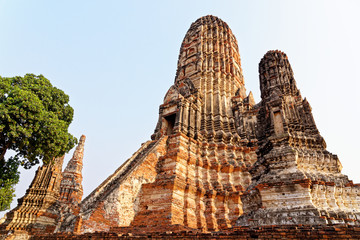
x: 6, y: 193
x: 34, y: 121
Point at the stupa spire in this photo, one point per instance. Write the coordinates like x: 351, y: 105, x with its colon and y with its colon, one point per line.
x: 71, y: 189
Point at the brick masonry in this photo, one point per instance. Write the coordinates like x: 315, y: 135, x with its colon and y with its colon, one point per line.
x: 240, y: 233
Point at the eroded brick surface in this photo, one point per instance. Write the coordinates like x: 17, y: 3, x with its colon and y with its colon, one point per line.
x: 116, y: 201
x: 269, y: 232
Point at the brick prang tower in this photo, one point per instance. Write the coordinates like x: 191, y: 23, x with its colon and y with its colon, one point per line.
x: 295, y: 179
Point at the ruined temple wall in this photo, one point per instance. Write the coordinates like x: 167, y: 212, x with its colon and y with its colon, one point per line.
x: 118, y: 204
x: 198, y: 185
x: 285, y: 193
x: 327, y: 196
x: 239, y: 233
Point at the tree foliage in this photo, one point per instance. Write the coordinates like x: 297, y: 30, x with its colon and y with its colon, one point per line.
x: 9, y: 177
x: 34, y: 121
x: 6, y: 193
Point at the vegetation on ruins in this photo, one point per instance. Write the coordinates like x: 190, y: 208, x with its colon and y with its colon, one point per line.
x: 34, y: 121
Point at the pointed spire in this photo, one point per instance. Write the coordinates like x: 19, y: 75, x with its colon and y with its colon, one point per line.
x: 251, y: 99
x: 71, y: 189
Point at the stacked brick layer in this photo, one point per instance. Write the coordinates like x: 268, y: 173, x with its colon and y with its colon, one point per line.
x: 241, y: 233
x: 116, y: 201
x: 198, y: 185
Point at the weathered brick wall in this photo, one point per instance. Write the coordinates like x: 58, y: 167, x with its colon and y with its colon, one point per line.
x: 117, y: 204
x: 198, y: 185
x: 271, y: 232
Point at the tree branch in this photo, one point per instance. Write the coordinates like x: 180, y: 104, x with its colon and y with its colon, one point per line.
x: 4, y: 149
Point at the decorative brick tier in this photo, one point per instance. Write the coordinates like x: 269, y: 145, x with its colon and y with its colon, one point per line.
x: 241, y: 233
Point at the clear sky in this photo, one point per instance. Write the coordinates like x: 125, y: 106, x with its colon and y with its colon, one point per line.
x: 117, y: 59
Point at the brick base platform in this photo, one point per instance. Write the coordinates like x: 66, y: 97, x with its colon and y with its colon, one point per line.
x: 266, y: 232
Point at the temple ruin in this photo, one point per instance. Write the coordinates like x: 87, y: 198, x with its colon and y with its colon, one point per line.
x: 217, y: 163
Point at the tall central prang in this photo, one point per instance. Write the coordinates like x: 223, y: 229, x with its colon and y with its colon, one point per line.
x: 208, y: 76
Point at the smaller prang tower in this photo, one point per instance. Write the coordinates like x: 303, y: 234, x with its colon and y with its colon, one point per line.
x: 71, y: 191
x: 295, y: 179
x: 52, y: 197
x: 38, y: 209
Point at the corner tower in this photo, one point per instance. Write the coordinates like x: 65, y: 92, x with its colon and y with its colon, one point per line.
x: 295, y: 179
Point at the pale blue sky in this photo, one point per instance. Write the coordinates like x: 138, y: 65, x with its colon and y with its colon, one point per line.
x: 117, y: 59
